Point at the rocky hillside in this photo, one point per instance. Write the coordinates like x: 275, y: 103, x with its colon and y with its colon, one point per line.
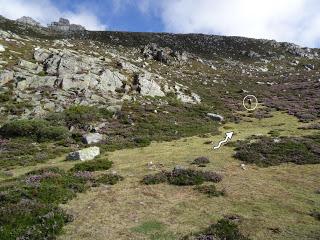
x: 83, y: 67
x: 67, y: 94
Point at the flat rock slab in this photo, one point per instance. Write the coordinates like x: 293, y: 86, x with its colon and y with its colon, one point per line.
x: 84, y: 154
x: 215, y: 117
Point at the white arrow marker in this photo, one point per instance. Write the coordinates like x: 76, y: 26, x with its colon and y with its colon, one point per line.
x: 228, y: 137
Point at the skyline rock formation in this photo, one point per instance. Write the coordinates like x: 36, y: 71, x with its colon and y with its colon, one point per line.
x: 63, y: 25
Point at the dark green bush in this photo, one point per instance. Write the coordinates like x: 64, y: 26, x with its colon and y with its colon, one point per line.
x: 93, y: 165
x: 200, y: 161
x: 157, y: 178
x: 109, y: 178
x: 23, y: 152
x: 39, y: 130
x: 224, y: 229
x: 30, y: 204
x: 80, y: 115
x: 315, y: 214
x: 182, y: 177
x: 209, y: 190
x: 266, y: 151
x: 142, y: 141
x: 5, y: 97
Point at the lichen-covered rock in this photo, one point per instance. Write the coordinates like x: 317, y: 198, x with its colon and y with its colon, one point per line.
x: 91, y: 138
x: 84, y: 154
x: 5, y: 77
x: 40, y: 55
x: 146, y: 86
x: 28, y: 21
x: 29, y: 65
x: 110, y: 81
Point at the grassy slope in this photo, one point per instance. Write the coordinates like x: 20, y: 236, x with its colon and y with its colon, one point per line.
x: 267, y: 198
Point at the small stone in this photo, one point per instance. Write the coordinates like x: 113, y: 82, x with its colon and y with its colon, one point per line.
x: 243, y: 166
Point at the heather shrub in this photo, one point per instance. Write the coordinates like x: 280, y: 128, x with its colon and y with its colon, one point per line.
x: 93, y: 165
x: 39, y: 130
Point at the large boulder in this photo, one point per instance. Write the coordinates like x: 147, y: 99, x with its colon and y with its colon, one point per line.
x: 84, y: 154
x: 146, y: 86
x: 110, y: 81
x: 51, y: 64
x: 36, y: 82
x: 91, y: 138
x: 40, y: 55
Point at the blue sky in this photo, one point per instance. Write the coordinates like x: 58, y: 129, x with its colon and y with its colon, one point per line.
x: 295, y: 21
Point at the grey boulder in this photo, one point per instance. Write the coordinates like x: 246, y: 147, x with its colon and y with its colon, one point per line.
x: 91, y: 138
x: 215, y: 117
x: 6, y: 77
x: 84, y: 154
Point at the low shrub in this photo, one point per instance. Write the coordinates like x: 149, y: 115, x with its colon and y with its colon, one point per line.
x: 30, y: 204
x: 79, y: 115
x: 315, y: 214
x: 209, y: 190
x: 182, y: 177
x: 201, y: 161
x: 224, y: 229
x: 266, y: 151
x: 142, y: 141
x: 110, y: 179
x: 93, y: 165
x: 157, y: 178
x: 5, y: 97
x: 39, y: 130
x: 211, y: 176
x: 23, y: 152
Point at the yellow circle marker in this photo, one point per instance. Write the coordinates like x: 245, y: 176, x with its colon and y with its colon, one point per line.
x: 250, y: 102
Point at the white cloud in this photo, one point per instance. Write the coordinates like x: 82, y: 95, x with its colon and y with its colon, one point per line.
x: 284, y: 20
x: 45, y: 12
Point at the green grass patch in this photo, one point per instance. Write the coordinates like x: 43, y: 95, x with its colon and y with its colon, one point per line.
x: 149, y: 227
x: 93, y: 165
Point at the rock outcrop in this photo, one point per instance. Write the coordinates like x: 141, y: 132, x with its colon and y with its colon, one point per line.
x: 29, y: 21
x: 164, y: 55
x: 64, y: 25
